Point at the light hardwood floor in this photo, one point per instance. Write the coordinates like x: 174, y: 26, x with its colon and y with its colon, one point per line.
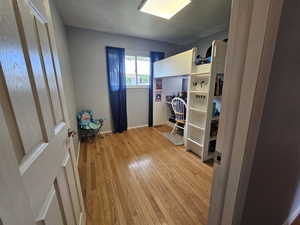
x: 140, y: 178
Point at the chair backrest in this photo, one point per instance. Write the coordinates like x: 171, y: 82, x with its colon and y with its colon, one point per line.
x: 179, y: 108
x: 86, y: 120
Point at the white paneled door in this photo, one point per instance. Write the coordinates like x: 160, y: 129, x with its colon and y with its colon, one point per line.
x: 39, y: 181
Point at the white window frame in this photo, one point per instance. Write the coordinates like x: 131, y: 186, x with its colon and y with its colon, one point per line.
x: 137, y: 86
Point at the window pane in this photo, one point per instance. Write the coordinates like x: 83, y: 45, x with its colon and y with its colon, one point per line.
x: 130, y: 79
x: 130, y: 70
x: 143, y: 70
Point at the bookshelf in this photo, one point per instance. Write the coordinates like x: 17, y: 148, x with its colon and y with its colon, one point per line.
x: 204, y: 103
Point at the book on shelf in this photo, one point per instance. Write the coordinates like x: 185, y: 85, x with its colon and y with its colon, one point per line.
x: 214, y: 128
x: 219, y: 84
x: 212, y: 146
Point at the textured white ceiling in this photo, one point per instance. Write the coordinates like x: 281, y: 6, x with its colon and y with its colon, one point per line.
x: 199, y: 19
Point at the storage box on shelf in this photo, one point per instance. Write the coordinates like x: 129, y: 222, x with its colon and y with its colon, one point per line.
x: 206, y: 84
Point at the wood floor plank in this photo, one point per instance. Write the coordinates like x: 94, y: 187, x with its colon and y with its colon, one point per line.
x: 180, y: 190
x: 140, y: 178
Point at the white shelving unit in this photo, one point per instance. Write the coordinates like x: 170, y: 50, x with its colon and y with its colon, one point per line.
x: 204, y: 101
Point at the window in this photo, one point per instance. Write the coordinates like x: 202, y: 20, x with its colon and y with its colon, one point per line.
x: 137, y: 69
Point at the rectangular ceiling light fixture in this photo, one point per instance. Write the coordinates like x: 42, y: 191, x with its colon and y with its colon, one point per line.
x: 163, y: 8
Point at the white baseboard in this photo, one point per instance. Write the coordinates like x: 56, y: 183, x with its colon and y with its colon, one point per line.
x: 129, y: 128
x: 292, y: 217
x: 106, y: 132
x: 167, y: 123
x: 145, y: 125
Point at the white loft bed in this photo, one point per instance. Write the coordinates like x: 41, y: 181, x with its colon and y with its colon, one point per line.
x: 171, y: 71
x: 177, y: 65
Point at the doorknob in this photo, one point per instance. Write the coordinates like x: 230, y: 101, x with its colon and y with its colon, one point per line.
x: 71, y: 133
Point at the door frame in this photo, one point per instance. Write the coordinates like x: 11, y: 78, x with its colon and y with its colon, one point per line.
x: 252, y: 38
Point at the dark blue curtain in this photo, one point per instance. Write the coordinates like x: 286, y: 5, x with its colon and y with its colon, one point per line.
x: 154, y: 56
x: 115, y: 60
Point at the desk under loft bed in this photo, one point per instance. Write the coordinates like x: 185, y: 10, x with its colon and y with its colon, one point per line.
x: 168, y: 88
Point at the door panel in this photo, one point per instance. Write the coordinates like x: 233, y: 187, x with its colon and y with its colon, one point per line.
x: 9, y: 116
x: 72, y: 186
x: 28, y: 30
x: 37, y: 7
x: 75, y: 175
x: 63, y: 188
x: 17, y: 81
x: 43, y: 167
x: 14, y: 204
x: 49, y: 68
x: 52, y: 213
x: 31, y: 98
